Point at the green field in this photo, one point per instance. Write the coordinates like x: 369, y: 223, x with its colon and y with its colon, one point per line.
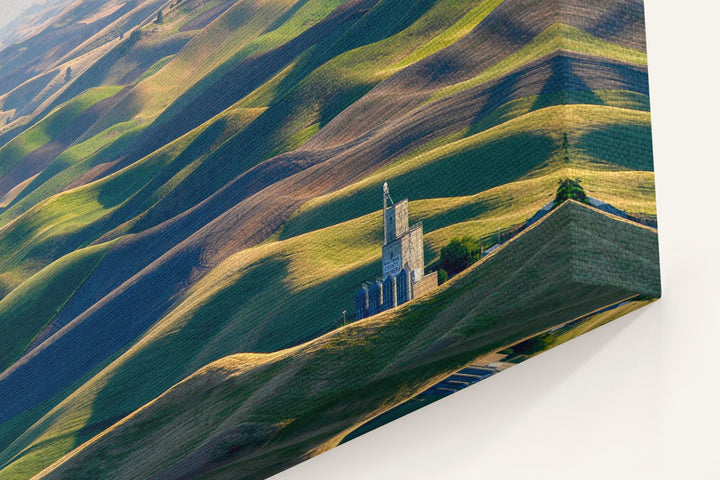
x: 189, y: 211
x: 256, y: 406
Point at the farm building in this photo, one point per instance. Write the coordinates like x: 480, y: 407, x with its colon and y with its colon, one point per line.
x: 403, y: 263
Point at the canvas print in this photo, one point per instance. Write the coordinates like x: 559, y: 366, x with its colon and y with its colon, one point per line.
x: 235, y: 234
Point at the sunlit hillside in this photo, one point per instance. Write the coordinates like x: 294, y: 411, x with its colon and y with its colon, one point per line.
x: 190, y: 196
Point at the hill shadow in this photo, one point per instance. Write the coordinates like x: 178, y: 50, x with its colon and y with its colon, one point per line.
x: 624, y: 24
x: 478, y: 169
x: 229, y: 83
x: 21, y: 97
x: 564, y: 81
x: 350, y: 26
x: 301, y: 317
x: 92, y: 339
x: 561, y: 78
x: 629, y: 146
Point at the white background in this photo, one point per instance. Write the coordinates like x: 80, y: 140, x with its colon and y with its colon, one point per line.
x: 638, y: 398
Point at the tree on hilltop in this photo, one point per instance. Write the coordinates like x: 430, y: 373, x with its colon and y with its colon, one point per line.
x: 569, y: 189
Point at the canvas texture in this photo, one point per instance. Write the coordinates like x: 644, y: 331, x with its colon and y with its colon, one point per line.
x: 235, y: 234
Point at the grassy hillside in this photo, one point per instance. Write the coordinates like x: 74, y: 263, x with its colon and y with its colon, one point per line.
x: 34, y: 71
x: 57, y: 127
x: 493, y: 157
x: 228, y: 309
x: 71, y: 228
x: 203, y: 185
x: 29, y: 308
x: 251, y: 406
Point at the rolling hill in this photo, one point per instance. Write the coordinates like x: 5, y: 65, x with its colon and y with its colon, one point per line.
x: 169, y: 170
x: 253, y: 419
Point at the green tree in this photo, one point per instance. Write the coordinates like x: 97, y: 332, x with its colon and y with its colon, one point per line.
x: 566, y: 148
x: 442, y: 276
x: 68, y: 74
x: 459, y: 254
x: 159, y: 18
x: 569, y: 189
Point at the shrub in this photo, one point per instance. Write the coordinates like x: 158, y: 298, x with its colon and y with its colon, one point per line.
x: 570, y: 189
x: 442, y: 276
x: 459, y: 254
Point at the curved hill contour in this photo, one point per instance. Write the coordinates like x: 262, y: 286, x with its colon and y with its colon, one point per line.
x: 189, y: 198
